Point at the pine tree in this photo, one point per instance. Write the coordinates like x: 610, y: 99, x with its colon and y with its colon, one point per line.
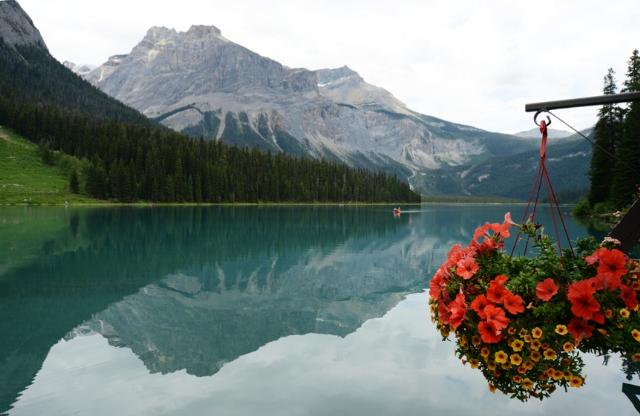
x: 74, y: 184
x: 607, y: 136
x: 626, y: 176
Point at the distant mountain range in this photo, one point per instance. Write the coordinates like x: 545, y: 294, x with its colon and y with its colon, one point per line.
x: 204, y: 85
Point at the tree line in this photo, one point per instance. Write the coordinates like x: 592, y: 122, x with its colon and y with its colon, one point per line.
x: 130, y: 158
x: 615, y: 162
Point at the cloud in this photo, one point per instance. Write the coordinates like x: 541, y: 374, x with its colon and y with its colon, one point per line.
x: 470, y: 62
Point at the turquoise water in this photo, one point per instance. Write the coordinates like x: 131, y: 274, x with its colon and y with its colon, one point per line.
x: 244, y: 311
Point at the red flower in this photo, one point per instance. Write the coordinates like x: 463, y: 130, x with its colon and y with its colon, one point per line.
x: 497, y: 291
x: 513, y: 303
x: 579, y: 329
x: 488, y: 333
x: 466, y: 267
x: 443, y: 313
x: 546, y: 289
x: 496, y: 317
x: 629, y: 297
x: 612, y: 263
x: 502, y: 230
x: 458, y: 309
x: 583, y: 304
x: 436, y: 285
x: 607, y: 281
x: 594, y: 257
x: 478, y: 305
x: 480, y: 232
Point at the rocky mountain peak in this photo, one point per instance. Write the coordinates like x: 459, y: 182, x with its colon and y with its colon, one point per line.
x: 328, y: 75
x: 16, y: 27
x: 202, y: 31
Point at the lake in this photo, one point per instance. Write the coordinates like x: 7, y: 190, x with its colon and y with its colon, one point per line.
x: 244, y: 311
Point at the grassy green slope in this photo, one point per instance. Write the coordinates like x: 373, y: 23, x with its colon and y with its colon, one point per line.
x: 26, y: 179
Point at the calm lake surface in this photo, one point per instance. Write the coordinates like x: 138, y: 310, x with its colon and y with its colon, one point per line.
x: 245, y: 311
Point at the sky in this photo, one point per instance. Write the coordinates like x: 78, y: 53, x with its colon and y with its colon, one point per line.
x: 468, y: 61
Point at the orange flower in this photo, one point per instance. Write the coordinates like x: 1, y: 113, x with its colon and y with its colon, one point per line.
x: 492, y: 388
x: 474, y: 363
x: 484, y: 352
x: 635, y: 334
x: 535, y: 345
x: 635, y: 357
x: 536, y: 332
x: 561, y: 330
x: 575, y: 381
x: 517, y: 379
x: 546, y: 289
x: 511, y: 330
x: 567, y: 346
x: 527, y: 384
x: 535, y: 356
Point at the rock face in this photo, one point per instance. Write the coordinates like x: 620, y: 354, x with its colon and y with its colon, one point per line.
x: 200, y: 83
x: 16, y: 27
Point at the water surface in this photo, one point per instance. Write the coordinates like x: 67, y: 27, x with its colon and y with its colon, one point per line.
x: 244, y: 311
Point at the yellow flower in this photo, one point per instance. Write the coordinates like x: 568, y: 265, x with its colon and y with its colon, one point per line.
x: 608, y: 313
x: 527, y: 338
x: 636, y: 335
x: 522, y: 369
x: 535, y: 345
x: 536, y: 332
x: 505, y: 366
x: 561, y: 330
x: 636, y: 356
x: 549, y: 372
x: 567, y: 346
x: 517, y: 345
x: 575, y: 381
x: 516, y: 359
x: 517, y: 379
x: 474, y: 363
x: 558, y: 375
x: 549, y: 354
x: 523, y: 332
x: 527, y: 384
x: 501, y: 357
x: 624, y: 312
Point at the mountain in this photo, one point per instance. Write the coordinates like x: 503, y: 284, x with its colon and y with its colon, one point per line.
x: 534, y: 133
x: 202, y: 84
x: 80, y: 69
x: 568, y: 161
x: 16, y: 27
x: 128, y: 157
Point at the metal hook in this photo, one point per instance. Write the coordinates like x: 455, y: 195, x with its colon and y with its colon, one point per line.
x: 535, y: 117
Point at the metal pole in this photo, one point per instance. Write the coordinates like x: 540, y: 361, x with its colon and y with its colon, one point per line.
x: 584, y: 102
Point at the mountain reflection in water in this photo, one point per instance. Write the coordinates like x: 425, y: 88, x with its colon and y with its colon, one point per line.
x: 200, y: 291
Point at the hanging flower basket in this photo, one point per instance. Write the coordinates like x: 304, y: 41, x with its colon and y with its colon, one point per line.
x: 522, y: 321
